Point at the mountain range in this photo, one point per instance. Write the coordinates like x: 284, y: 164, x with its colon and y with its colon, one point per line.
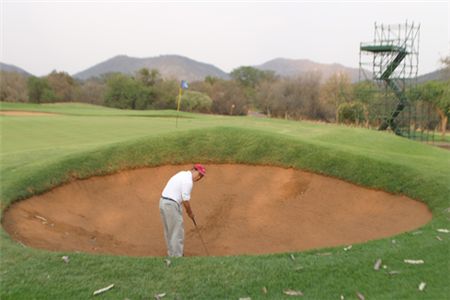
x: 12, y: 68
x: 170, y: 66
x: 180, y: 67
x: 295, y: 67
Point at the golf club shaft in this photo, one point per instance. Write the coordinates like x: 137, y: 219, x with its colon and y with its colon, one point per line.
x: 201, y: 238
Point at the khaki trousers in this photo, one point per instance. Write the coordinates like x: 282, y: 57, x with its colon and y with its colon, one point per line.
x: 172, y: 218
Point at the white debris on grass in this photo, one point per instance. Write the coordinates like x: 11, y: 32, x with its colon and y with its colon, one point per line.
x: 160, y: 296
x: 394, y: 272
x: 292, y: 256
x: 168, y: 262
x: 65, y: 259
x: 103, y: 289
x: 384, y: 267
x: 443, y: 230
x: 348, y: 248
x: 377, y: 264
x: 245, y: 298
x: 264, y: 290
x: 324, y: 254
x: 414, y: 261
x: 422, y: 286
x: 439, y: 238
x: 342, y: 297
x: 290, y: 292
x: 360, y: 296
x: 417, y: 232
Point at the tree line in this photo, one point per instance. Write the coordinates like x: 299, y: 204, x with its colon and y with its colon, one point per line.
x: 305, y: 97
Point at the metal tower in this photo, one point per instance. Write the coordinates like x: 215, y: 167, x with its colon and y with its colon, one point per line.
x: 391, y: 60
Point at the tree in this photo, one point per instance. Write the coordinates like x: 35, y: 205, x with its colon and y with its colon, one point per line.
x: 91, y: 91
x: 228, y: 98
x: 165, y: 93
x: 126, y: 93
x: 250, y: 79
x: 437, y: 93
x: 296, y: 98
x: 366, y: 93
x: 211, y: 80
x: 351, y: 112
x: 336, y: 90
x: 62, y: 85
x: 149, y: 77
x: 13, y: 87
x: 446, y: 70
x: 39, y: 90
x: 249, y: 76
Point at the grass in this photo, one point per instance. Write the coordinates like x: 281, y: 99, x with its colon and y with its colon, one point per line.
x: 38, y: 153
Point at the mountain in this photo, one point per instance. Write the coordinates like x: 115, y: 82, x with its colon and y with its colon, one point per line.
x: 294, y: 67
x: 12, y: 68
x: 435, y: 75
x: 170, y: 66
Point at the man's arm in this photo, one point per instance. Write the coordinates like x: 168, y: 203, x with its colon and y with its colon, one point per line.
x: 187, y: 206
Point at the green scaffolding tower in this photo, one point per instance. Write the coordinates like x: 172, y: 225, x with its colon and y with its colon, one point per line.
x: 391, y: 61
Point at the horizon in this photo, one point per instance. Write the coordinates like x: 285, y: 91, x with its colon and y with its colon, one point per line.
x: 42, y: 36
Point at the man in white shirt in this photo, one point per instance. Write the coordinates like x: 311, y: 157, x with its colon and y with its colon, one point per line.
x: 176, y: 193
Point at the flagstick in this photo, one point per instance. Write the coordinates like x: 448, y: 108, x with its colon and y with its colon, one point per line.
x: 178, y: 107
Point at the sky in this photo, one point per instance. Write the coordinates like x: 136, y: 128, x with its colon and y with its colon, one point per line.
x: 71, y: 36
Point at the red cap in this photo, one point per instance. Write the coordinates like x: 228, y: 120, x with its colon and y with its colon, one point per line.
x: 200, y: 168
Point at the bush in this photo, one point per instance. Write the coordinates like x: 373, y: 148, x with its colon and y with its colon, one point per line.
x: 195, y: 102
x: 351, y: 112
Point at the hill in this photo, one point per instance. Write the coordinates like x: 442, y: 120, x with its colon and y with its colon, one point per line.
x: 435, y: 75
x: 170, y: 66
x: 11, y: 68
x: 294, y: 67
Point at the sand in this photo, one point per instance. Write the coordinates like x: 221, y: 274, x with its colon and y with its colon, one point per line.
x: 23, y: 113
x: 239, y: 210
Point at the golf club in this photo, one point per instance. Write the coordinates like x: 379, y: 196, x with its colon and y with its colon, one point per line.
x: 201, y: 238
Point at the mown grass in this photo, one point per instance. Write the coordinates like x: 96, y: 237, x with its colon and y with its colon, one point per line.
x: 80, y: 146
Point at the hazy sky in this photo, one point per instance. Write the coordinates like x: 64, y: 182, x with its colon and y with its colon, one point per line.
x: 40, y: 36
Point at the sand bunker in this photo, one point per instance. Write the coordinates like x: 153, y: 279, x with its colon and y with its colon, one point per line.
x: 239, y: 209
x: 24, y: 113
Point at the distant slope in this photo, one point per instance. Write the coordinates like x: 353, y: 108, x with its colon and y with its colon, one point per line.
x: 295, y: 67
x: 12, y: 68
x: 435, y: 75
x: 170, y: 66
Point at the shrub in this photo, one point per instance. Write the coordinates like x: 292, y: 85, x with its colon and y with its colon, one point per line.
x: 195, y: 102
x: 351, y: 112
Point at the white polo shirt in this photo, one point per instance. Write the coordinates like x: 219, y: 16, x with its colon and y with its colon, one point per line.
x: 179, y: 187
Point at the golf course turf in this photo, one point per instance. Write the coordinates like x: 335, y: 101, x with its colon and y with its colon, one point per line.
x: 42, y: 152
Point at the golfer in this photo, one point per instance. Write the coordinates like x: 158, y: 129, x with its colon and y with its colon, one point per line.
x: 177, y: 193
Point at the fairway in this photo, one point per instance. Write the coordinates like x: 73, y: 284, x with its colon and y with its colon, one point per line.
x: 44, y: 152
